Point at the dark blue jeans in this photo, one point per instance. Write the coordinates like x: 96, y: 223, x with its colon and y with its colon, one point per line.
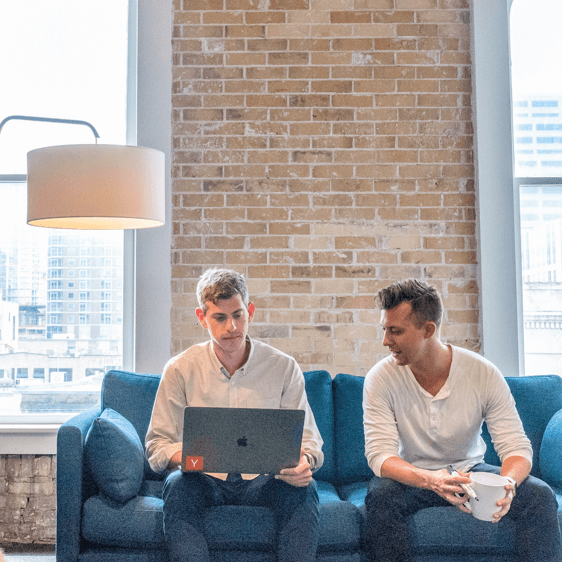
x: 186, y: 495
x: 389, y: 536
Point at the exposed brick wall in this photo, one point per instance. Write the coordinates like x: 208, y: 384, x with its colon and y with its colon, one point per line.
x: 27, y: 499
x: 324, y: 149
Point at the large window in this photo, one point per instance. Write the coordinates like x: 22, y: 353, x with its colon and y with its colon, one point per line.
x: 537, y: 146
x: 61, y: 291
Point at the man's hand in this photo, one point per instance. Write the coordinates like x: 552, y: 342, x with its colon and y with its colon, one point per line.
x: 175, y: 461
x: 448, y: 487
x: 516, y: 468
x: 505, y: 503
x: 300, y: 475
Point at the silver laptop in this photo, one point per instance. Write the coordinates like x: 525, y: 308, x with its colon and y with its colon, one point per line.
x: 244, y: 440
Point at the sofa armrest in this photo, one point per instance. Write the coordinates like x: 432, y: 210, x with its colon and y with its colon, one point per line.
x: 71, y: 482
x: 550, y: 456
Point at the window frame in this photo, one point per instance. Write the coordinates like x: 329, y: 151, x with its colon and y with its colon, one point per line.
x: 500, y: 276
x: 501, y: 302
x: 146, y: 263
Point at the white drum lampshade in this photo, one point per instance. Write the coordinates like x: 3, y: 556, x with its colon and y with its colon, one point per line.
x: 95, y: 187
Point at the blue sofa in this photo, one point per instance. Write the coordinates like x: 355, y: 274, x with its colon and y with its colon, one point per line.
x: 93, y: 528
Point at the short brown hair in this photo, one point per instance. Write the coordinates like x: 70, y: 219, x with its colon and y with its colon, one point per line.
x: 220, y: 284
x: 425, y: 300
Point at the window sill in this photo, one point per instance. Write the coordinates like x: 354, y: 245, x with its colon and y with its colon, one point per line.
x: 28, y: 438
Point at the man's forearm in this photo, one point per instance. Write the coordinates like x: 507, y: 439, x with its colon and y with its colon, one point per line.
x: 445, y: 485
x: 398, y: 469
x: 516, y: 467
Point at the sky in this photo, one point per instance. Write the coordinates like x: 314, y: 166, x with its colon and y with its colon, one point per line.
x: 53, y: 65
x: 536, y: 46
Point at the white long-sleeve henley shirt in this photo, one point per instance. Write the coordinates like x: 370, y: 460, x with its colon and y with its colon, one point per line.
x: 403, y: 420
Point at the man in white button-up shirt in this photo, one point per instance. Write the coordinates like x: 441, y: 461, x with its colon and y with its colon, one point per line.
x: 232, y: 370
x: 424, y: 406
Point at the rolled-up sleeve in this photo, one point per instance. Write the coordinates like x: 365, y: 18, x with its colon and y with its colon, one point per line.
x: 504, y: 423
x: 164, y: 435
x: 379, y: 423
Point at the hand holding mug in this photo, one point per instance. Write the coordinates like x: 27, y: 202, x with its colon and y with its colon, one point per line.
x: 494, y: 494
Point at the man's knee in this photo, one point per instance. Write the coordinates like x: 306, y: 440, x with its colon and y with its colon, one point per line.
x: 300, y: 494
x: 383, y: 494
x: 535, y: 494
x: 182, y: 484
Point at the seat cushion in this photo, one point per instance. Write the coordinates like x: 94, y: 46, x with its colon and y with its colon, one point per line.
x: 137, y: 523
x: 433, y: 527
x: 115, y: 456
x: 340, y: 522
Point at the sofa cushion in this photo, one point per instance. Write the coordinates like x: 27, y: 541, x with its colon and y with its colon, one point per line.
x: 461, y: 532
x: 350, y: 457
x: 431, y: 535
x: 319, y: 394
x: 551, y: 451
x: 132, y: 395
x: 115, y: 456
x: 137, y: 523
x: 340, y: 522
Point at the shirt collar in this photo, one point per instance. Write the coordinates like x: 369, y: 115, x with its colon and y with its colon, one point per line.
x: 218, y: 366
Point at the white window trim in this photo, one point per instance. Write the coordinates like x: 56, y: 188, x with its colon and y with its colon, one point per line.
x: 147, y: 291
x: 501, y: 309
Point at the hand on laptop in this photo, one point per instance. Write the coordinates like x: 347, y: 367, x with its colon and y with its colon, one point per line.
x: 300, y: 475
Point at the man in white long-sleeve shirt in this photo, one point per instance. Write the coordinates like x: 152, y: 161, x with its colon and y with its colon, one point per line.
x: 424, y: 406
x: 232, y: 370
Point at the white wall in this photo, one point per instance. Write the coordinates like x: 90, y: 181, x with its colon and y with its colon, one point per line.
x: 153, y: 246
x: 498, y: 250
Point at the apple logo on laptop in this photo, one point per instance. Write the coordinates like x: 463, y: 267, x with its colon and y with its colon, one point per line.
x: 242, y: 442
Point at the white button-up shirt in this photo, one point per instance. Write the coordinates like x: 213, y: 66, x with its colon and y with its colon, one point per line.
x: 268, y: 379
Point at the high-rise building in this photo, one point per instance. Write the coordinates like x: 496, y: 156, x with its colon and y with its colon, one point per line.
x: 85, y: 291
x: 537, y: 123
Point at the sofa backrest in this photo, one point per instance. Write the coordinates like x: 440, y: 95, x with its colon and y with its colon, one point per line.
x: 351, y: 463
x: 318, y: 386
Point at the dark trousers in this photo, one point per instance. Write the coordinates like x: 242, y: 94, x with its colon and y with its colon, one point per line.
x: 186, y: 495
x: 389, y: 533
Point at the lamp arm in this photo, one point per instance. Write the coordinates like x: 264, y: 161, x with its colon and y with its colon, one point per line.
x: 50, y: 120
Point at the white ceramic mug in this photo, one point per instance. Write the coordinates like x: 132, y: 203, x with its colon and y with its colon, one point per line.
x: 489, y: 489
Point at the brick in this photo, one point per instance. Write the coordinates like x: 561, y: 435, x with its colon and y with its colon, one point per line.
x: 308, y: 72
x: 290, y: 286
x: 307, y: 17
x: 288, y: 257
x: 309, y: 100
x: 246, y: 258
x: 350, y: 17
x: 331, y: 86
